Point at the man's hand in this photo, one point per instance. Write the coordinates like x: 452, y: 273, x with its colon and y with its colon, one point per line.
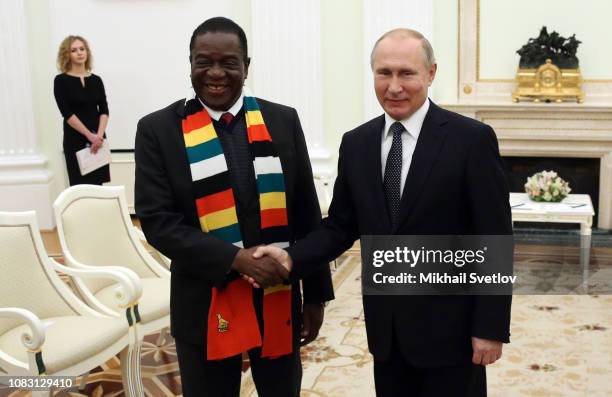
x: 312, y: 319
x: 264, y: 272
x: 279, y: 255
x: 486, y: 351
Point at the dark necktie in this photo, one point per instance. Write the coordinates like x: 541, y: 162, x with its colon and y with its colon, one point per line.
x: 226, y: 118
x: 393, y: 173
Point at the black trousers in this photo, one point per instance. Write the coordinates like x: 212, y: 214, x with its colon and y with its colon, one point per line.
x: 280, y: 377
x: 395, y: 377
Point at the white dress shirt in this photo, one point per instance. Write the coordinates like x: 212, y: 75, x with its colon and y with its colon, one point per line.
x: 216, y: 114
x: 410, y: 136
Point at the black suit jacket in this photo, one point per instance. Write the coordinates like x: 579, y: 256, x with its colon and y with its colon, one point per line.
x: 166, y: 208
x: 455, y: 186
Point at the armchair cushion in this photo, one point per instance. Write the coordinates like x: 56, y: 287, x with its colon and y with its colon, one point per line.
x: 68, y: 340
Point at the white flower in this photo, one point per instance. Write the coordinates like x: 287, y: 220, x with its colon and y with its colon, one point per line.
x: 546, y: 185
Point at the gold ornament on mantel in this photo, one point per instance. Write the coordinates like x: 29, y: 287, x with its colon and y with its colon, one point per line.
x: 548, y: 70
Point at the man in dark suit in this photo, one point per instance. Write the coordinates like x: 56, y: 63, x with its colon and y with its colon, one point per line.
x: 178, y: 207
x: 417, y: 170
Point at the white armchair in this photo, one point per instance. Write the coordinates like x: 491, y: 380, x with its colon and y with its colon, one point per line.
x: 95, y: 230
x: 158, y: 256
x: 44, y: 327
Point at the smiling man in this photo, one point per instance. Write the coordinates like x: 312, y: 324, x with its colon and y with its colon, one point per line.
x: 417, y: 169
x: 216, y: 175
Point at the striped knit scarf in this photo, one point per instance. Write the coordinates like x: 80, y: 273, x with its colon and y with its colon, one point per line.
x: 232, y: 323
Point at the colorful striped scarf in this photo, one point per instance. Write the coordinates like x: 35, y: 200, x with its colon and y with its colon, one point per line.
x: 232, y: 323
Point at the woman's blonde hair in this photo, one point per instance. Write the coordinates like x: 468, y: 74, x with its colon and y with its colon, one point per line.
x: 63, y: 54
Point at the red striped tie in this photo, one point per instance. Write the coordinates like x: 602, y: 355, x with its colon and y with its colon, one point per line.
x: 226, y: 118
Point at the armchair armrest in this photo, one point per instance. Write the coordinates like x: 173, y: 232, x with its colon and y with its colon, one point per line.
x: 33, y: 340
x: 140, y: 234
x: 163, y: 257
x: 128, y: 292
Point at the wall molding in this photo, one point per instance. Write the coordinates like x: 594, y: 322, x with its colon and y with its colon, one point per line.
x: 25, y: 180
x: 473, y: 89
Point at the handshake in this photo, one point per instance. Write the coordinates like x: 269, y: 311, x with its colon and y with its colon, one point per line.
x: 263, y: 266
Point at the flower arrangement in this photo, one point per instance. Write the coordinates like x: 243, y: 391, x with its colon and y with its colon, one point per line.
x: 547, y: 186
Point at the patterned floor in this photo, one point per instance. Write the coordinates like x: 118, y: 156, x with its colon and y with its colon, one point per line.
x: 561, y: 345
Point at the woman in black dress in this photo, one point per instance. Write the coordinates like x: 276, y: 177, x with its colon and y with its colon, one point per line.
x: 81, y: 99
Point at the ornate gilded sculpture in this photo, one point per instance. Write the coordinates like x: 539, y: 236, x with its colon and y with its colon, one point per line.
x: 548, y: 69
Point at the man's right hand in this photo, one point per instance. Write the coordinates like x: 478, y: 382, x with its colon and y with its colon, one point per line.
x: 265, y: 271
x: 279, y: 255
x: 276, y: 253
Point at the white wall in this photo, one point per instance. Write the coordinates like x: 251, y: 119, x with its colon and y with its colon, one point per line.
x: 342, y: 57
x: 445, y: 47
x: 506, y: 25
x: 380, y: 16
x: 140, y: 50
x: 26, y: 182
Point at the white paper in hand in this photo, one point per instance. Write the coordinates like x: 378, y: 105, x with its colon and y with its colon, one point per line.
x: 89, y: 161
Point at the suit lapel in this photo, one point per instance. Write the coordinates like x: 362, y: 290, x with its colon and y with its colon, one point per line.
x: 425, y: 154
x: 180, y: 108
x: 373, y: 173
